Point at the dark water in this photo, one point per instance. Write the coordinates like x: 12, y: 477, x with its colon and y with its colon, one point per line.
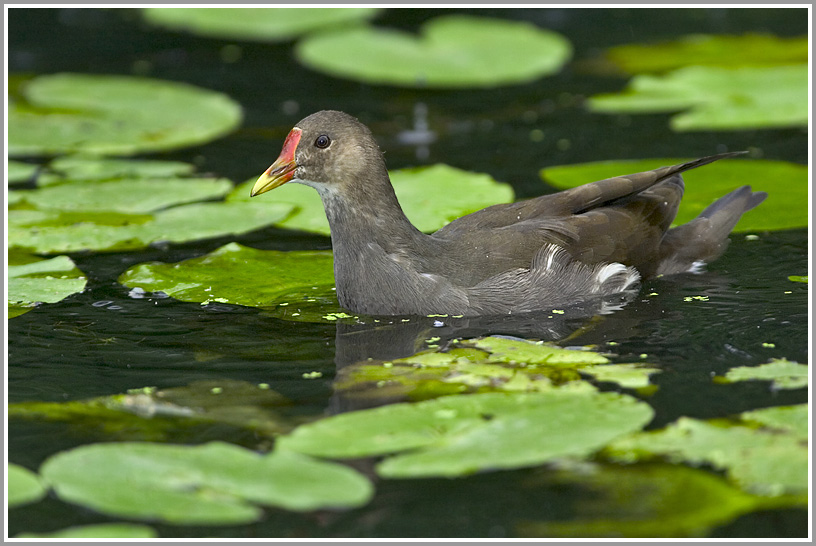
x: 103, y: 342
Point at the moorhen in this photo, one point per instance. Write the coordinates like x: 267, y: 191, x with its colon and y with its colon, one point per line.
x: 593, y: 241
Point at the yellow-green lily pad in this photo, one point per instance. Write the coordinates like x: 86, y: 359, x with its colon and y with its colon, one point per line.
x: 631, y: 376
x: 452, y: 51
x: 23, y: 486
x: 210, y: 484
x: 431, y: 197
x: 786, y: 184
x: 20, y: 172
x: 258, y: 24
x: 114, y: 115
x: 798, y: 278
x: 710, y: 50
x: 461, y: 434
x: 782, y: 372
x: 100, y: 530
x: 86, y: 168
x: 41, y: 281
x: 717, y: 98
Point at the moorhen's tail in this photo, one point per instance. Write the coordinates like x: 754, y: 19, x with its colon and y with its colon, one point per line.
x: 690, y: 246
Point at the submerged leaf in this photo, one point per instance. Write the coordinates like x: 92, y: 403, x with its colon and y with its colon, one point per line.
x: 260, y: 24
x: 452, y: 51
x: 115, y: 115
x: 23, y: 486
x: 786, y: 185
x: 459, y: 435
x: 209, y: 484
x: 717, y: 99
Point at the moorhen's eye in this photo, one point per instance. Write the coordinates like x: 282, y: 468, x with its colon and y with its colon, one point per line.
x: 322, y: 141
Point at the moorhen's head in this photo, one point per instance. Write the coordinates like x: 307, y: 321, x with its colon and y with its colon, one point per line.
x: 327, y: 150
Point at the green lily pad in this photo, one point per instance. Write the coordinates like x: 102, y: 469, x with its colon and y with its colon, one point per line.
x: 127, y: 195
x: 101, y: 530
x: 798, y: 278
x: 717, y: 99
x: 452, y: 51
x: 786, y: 184
x: 41, y: 281
x: 630, y: 376
x: 209, y: 484
x: 61, y: 231
x: 235, y: 274
x: 710, y: 50
x: 530, y: 352
x: 793, y: 419
x: 646, y: 501
x: 459, y: 435
x: 114, y: 115
x: 765, y: 461
x: 23, y: 486
x: 85, y: 168
x: 431, y: 197
x: 260, y: 24
x: 20, y: 172
x: 782, y: 372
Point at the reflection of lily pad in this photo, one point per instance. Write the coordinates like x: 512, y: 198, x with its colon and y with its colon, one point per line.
x: 715, y: 98
x: 210, y: 484
x: 114, y: 115
x: 766, y: 461
x: 81, y: 168
x: 645, y: 501
x: 784, y: 374
x: 23, y: 486
x: 262, y: 24
x: 459, y: 435
x: 786, y: 184
x: 41, y: 281
x: 235, y: 274
x: 430, y: 196
x: 101, y: 530
x: 453, y: 51
x: 58, y: 231
x: 710, y: 50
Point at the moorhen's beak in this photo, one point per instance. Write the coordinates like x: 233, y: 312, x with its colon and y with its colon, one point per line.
x: 283, y: 169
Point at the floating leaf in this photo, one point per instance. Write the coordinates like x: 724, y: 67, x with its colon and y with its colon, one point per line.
x: 84, y: 168
x: 23, y: 485
x: 784, y: 374
x: 452, y: 51
x: 235, y: 274
x: 788, y: 418
x: 261, y: 24
x: 786, y: 184
x: 114, y: 115
x: 646, y: 501
x: 717, y: 98
x: 631, y: 376
x: 798, y: 278
x: 101, y: 530
x: 459, y: 435
x: 530, y: 352
x: 56, y: 231
x: 20, y: 172
x: 41, y: 281
x: 763, y: 461
x: 710, y: 50
x: 430, y: 197
x: 209, y: 484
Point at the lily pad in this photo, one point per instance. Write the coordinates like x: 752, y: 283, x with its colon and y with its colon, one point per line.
x: 459, y: 435
x: 260, y: 24
x: 631, y: 376
x: 23, y: 486
x: 646, y: 501
x: 85, y: 168
x: 452, y: 51
x: 20, y: 172
x: 530, y: 352
x: 60, y: 231
x: 114, y: 115
x: 101, y: 530
x: 41, y: 281
x: 798, y: 278
x: 210, y: 484
x: 783, y: 373
x: 786, y: 184
x: 235, y: 274
x: 717, y: 99
x: 710, y: 50
x: 431, y: 197
x: 765, y: 461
